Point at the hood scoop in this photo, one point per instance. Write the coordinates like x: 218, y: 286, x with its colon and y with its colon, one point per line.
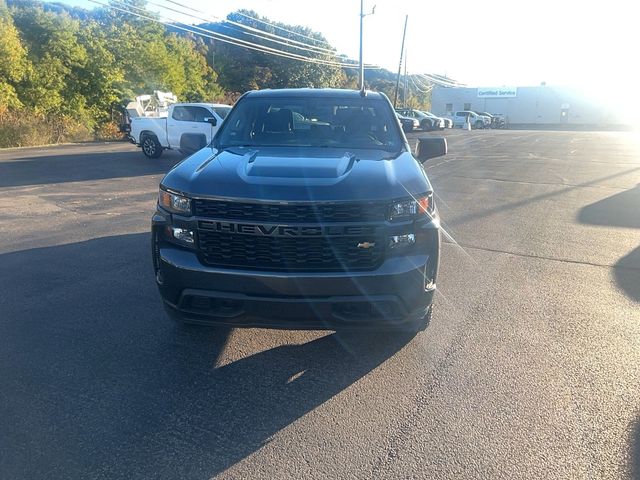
x: 298, y: 167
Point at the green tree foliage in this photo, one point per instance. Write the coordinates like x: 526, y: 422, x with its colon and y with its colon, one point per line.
x: 13, y: 60
x: 242, y: 69
x: 64, y: 71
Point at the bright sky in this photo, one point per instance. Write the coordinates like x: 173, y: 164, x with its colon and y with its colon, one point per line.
x: 586, y: 44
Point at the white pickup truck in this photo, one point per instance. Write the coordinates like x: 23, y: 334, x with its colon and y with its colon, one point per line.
x: 187, y: 128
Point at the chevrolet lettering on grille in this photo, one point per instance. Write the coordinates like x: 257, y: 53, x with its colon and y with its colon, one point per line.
x: 272, y: 230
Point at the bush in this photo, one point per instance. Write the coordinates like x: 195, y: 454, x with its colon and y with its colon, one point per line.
x: 109, y: 131
x: 21, y: 128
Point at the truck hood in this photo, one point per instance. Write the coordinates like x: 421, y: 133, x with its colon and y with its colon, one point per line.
x: 298, y: 174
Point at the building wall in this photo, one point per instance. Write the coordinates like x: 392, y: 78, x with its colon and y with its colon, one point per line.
x: 532, y: 105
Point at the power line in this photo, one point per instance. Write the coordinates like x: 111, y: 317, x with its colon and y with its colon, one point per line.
x: 426, y: 89
x: 438, y: 81
x: 228, y: 39
x: 216, y: 36
x: 261, y: 33
x: 284, y: 29
x: 255, y: 19
x: 417, y: 81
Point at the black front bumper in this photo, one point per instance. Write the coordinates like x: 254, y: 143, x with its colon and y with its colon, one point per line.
x: 399, y: 292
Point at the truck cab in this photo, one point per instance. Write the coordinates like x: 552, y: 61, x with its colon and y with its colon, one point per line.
x: 188, y: 127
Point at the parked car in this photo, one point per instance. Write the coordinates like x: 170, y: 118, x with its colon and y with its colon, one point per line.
x: 426, y: 122
x: 328, y: 227
x: 187, y: 128
x: 499, y: 121
x: 464, y: 116
x: 487, y: 118
x: 408, y: 124
x: 440, y: 122
x: 448, y: 122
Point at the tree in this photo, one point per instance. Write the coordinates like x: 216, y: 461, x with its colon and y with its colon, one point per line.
x: 13, y: 60
x: 242, y: 69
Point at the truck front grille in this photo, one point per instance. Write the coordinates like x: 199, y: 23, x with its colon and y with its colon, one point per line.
x: 291, y: 213
x: 323, y: 253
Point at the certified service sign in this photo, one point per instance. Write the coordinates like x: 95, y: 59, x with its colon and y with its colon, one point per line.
x: 497, y: 92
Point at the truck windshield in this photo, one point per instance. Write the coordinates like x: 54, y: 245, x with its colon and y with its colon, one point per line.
x: 311, y: 122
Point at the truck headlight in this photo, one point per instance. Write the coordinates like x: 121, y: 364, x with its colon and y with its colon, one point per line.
x: 407, y: 209
x: 174, y: 203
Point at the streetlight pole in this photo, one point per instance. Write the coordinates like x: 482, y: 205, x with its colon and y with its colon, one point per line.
x: 362, y: 15
x: 404, y: 34
x: 361, y: 64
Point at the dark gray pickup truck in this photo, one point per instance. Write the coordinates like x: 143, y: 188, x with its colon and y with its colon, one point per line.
x: 308, y: 210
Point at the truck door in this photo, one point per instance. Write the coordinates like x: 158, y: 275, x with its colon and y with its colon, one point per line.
x: 189, y: 120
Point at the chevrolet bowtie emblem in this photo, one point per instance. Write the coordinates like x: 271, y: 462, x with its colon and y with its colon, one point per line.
x: 366, y: 244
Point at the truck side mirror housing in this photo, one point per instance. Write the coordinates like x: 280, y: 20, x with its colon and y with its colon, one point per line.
x: 431, y: 147
x: 211, y: 120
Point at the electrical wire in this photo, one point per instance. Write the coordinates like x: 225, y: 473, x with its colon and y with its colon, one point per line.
x: 247, y: 27
x: 255, y: 19
x: 227, y: 39
x: 278, y: 39
x: 283, y: 29
x: 426, y: 89
x: 438, y: 81
x: 419, y: 83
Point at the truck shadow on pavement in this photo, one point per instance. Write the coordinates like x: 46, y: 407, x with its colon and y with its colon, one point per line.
x: 619, y: 210
x: 97, y: 383
x: 85, y: 166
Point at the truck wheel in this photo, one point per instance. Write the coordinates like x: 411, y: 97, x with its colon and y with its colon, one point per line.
x: 151, y: 147
x: 479, y: 125
x: 425, y: 125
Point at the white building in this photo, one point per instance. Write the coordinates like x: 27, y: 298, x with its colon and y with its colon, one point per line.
x: 526, y: 106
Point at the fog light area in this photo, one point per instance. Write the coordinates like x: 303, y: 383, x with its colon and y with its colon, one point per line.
x: 397, y: 241
x: 183, y: 235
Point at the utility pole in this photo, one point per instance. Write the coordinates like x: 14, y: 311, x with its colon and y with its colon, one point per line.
x: 404, y: 90
x: 362, y: 15
x: 404, y: 33
x: 361, y: 64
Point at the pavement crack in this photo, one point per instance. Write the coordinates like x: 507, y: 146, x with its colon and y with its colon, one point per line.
x: 544, y: 257
x: 555, y: 184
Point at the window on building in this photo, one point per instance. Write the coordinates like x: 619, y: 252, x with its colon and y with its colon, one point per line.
x: 467, y: 106
x: 449, y: 107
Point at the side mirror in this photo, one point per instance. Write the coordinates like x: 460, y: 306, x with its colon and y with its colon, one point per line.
x: 211, y: 120
x: 430, y: 148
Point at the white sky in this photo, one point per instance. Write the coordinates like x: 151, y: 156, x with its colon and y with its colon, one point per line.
x: 589, y: 45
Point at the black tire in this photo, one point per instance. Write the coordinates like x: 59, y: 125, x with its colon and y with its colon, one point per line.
x: 425, y: 125
x: 479, y: 124
x: 151, y: 146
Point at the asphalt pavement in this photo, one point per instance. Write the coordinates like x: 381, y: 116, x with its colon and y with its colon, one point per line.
x: 530, y: 367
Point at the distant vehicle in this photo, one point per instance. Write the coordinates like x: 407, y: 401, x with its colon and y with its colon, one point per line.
x: 427, y: 122
x: 443, y: 121
x: 498, y: 121
x: 487, y: 118
x: 461, y: 118
x: 408, y: 123
x: 187, y: 128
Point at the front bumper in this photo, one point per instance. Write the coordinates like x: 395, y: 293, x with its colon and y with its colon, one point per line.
x: 399, y: 292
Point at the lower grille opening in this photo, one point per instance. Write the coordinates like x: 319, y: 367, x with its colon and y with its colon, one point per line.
x: 322, y: 253
x: 224, y: 307
x: 366, y: 310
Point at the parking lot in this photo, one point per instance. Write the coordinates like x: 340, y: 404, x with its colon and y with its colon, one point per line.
x: 529, y: 369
